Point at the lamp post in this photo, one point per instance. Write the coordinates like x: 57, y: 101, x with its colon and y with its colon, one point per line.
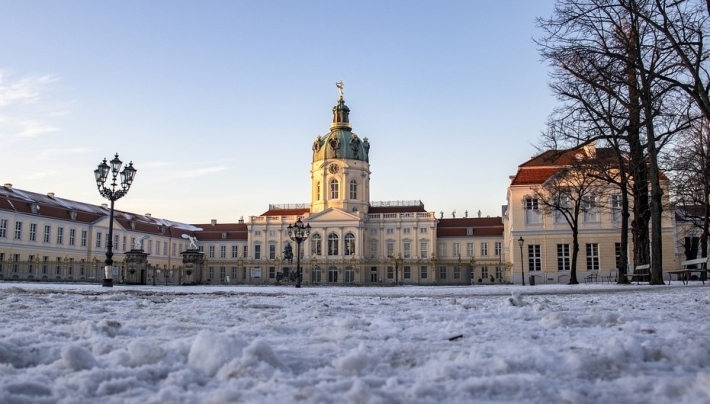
x: 112, y: 194
x: 522, y: 268
x: 298, y: 232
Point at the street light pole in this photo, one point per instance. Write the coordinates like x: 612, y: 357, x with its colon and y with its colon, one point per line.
x: 298, y: 233
x: 112, y: 194
x: 522, y: 267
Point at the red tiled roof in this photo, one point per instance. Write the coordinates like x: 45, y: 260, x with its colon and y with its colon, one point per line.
x: 286, y: 212
x: 396, y: 209
x: 481, y: 226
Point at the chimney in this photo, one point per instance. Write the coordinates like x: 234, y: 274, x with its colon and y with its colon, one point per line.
x: 214, y: 222
x: 50, y: 194
x: 8, y: 185
x: 148, y: 215
x: 241, y: 219
x: 104, y: 205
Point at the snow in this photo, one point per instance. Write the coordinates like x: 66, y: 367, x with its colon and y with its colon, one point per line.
x: 496, y: 344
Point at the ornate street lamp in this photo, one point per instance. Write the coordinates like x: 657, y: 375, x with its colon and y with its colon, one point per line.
x: 298, y: 233
x: 112, y: 194
x: 522, y: 268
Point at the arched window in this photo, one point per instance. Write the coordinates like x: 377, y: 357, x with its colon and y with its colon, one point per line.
x: 333, y: 244
x: 334, y: 189
x: 316, y: 245
x: 349, y: 244
x: 353, y: 189
x: 318, y: 191
x: 316, y: 275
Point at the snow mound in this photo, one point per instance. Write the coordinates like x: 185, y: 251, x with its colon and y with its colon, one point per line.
x: 78, y: 358
x: 353, y: 363
x: 211, y: 351
x: 515, y: 300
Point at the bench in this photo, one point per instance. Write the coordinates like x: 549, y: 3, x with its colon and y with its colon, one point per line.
x: 612, y: 275
x: 639, y: 272
x: 684, y: 273
x: 592, y: 276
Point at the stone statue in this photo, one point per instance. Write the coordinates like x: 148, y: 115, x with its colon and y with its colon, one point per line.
x: 138, y: 244
x: 193, y: 241
x: 355, y: 144
x: 288, y: 253
x: 340, y: 88
x: 316, y: 144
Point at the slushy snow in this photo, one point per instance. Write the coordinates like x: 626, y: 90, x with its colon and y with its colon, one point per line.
x: 485, y: 344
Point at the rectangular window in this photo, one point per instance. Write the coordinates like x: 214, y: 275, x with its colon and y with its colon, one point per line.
x: 210, y: 274
x: 123, y: 245
x: 60, y: 235
x: 33, y: 231
x: 498, y: 248
x: 389, y: 232
x: 561, y: 205
x: 234, y: 273
x: 211, y: 251
x: 18, y: 230
x: 534, y: 258
x: 3, y: 228
x: 457, y: 273
x: 484, y: 272
x: 422, y: 230
x: 589, y: 207
x: 499, y: 273
x: 616, y: 207
x: 222, y: 273
x: 98, y: 239
x: 245, y: 250
x: 115, y: 243
x: 390, y: 273
x: 150, y: 248
x: 442, y: 272
x: 532, y: 211
x: 235, y: 254
x: 257, y: 251
x: 272, y: 272
x: 84, y: 236
x: 165, y: 248
x: 563, y: 260
x: 470, y: 249
x: 617, y: 253
x: 423, y: 272
x: 373, y: 248
x: 390, y: 248
x: 484, y: 249
x: 456, y: 250
x: 407, y: 247
x: 423, y: 249
x: 469, y: 231
x: 72, y: 236
x: 406, y: 230
x: 442, y: 250
x: 47, y: 232
x: 407, y: 272
x: 223, y: 251
x: 592, y: 257
x: 175, y: 249
x: 272, y: 251
x: 353, y: 190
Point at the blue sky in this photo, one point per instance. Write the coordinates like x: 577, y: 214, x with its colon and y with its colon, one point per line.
x: 217, y: 103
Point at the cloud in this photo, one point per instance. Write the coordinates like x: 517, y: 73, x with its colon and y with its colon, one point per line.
x: 25, y: 111
x: 199, y: 172
x: 52, y: 153
x: 24, y: 90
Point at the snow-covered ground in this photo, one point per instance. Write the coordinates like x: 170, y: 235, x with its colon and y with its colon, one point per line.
x: 541, y: 344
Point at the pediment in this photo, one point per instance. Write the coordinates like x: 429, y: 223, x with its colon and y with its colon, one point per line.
x: 333, y: 215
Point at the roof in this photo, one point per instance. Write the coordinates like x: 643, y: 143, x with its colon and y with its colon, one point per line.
x: 225, y: 231
x: 481, y: 226
x: 51, y: 206
x: 286, y: 212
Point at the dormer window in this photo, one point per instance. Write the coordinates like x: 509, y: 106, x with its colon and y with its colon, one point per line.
x: 224, y: 234
x: 35, y: 208
x: 72, y: 214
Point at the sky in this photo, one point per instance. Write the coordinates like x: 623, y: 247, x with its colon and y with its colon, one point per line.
x: 217, y: 103
x: 574, y: 344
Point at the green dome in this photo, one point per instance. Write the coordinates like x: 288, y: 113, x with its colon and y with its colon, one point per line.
x: 341, y: 142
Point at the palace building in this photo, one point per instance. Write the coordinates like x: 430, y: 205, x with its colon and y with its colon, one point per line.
x: 353, y: 240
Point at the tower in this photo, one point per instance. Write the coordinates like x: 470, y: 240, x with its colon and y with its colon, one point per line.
x: 340, y: 171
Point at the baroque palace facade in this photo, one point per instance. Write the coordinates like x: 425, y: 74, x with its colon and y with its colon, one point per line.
x: 353, y: 240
